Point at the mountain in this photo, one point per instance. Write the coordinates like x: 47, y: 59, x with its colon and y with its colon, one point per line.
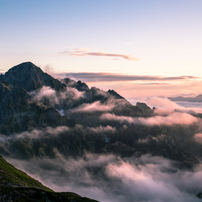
x: 80, y: 86
x: 30, y: 77
x: 71, y: 135
x: 33, y: 100
x: 16, y: 185
x: 19, y: 113
x: 188, y: 99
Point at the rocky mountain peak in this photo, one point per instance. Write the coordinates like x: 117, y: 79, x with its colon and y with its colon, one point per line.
x: 115, y: 94
x: 30, y: 77
x: 25, y: 66
x: 144, y: 107
x: 80, y: 86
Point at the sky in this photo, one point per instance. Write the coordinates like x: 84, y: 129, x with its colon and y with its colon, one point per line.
x: 142, y: 47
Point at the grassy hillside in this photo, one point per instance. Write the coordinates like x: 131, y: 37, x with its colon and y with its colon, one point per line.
x: 12, y: 177
x: 16, y: 185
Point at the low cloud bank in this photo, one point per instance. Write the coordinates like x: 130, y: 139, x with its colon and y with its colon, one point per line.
x: 47, y: 132
x: 198, y: 137
x: 103, y: 77
x: 165, y: 106
x: 84, y: 52
x: 48, y: 94
x: 50, y: 132
x: 175, y: 118
x: 92, y: 107
x: 109, y: 178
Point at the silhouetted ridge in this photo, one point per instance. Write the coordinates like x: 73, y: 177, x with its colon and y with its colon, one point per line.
x: 30, y: 77
x: 144, y: 107
x: 115, y: 94
x: 80, y: 86
x: 187, y: 99
x: 1, y: 77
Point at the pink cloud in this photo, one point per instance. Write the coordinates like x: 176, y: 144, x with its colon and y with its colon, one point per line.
x: 165, y: 106
x: 198, y: 138
x: 175, y: 118
x: 92, y: 107
x: 126, y: 171
x: 102, y: 129
x: 84, y: 52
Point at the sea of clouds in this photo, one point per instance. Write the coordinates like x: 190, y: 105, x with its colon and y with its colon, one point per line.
x: 110, y: 178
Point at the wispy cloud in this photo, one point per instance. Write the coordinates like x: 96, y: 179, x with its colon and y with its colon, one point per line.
x: 92, y: 107
x: 165, y: 106
x: 48, y: 94
x: 175, y: 118
x: 109, y: 178
x: 85, y: 52
x: 91, y: 76
x: 198, y: 137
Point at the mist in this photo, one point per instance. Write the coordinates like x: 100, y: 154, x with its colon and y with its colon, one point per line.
x: 175, y: 118
x: 165, y: 106
x: 55, y: 98
x: 110, y: 178
x: 62, y: 158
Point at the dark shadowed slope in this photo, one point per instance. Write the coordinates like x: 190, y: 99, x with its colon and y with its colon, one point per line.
x: 19, y: 112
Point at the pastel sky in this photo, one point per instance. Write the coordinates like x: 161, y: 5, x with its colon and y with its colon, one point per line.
x: 153, y: 39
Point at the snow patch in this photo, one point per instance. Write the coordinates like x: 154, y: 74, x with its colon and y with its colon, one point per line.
x: 61, y: 111
x: 107, y: 139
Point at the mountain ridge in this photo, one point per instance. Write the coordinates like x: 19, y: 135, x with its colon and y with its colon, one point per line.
x: 61, y: 122
x: 198, y: 98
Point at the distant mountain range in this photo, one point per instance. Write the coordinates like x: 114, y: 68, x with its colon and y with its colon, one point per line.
x: 198, y: 98
x: 42, y: 117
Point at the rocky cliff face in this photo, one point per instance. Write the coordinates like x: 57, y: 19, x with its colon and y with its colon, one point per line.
x: 20, y: 113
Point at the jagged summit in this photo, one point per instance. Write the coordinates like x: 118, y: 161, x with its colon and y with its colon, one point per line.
x: 80, y: 86
x: 30, y: 77
x: 144, y: 107
x: 24, y: 66
x: 115, y: 94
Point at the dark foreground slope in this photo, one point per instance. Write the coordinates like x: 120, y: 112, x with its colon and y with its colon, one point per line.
x: 16, y: 185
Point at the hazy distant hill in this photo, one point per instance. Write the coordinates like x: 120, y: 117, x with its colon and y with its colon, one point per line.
x: 188, y: 99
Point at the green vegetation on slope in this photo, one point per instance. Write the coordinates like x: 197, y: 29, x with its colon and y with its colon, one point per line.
x: 16, y: 185
x: 12, y: 177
